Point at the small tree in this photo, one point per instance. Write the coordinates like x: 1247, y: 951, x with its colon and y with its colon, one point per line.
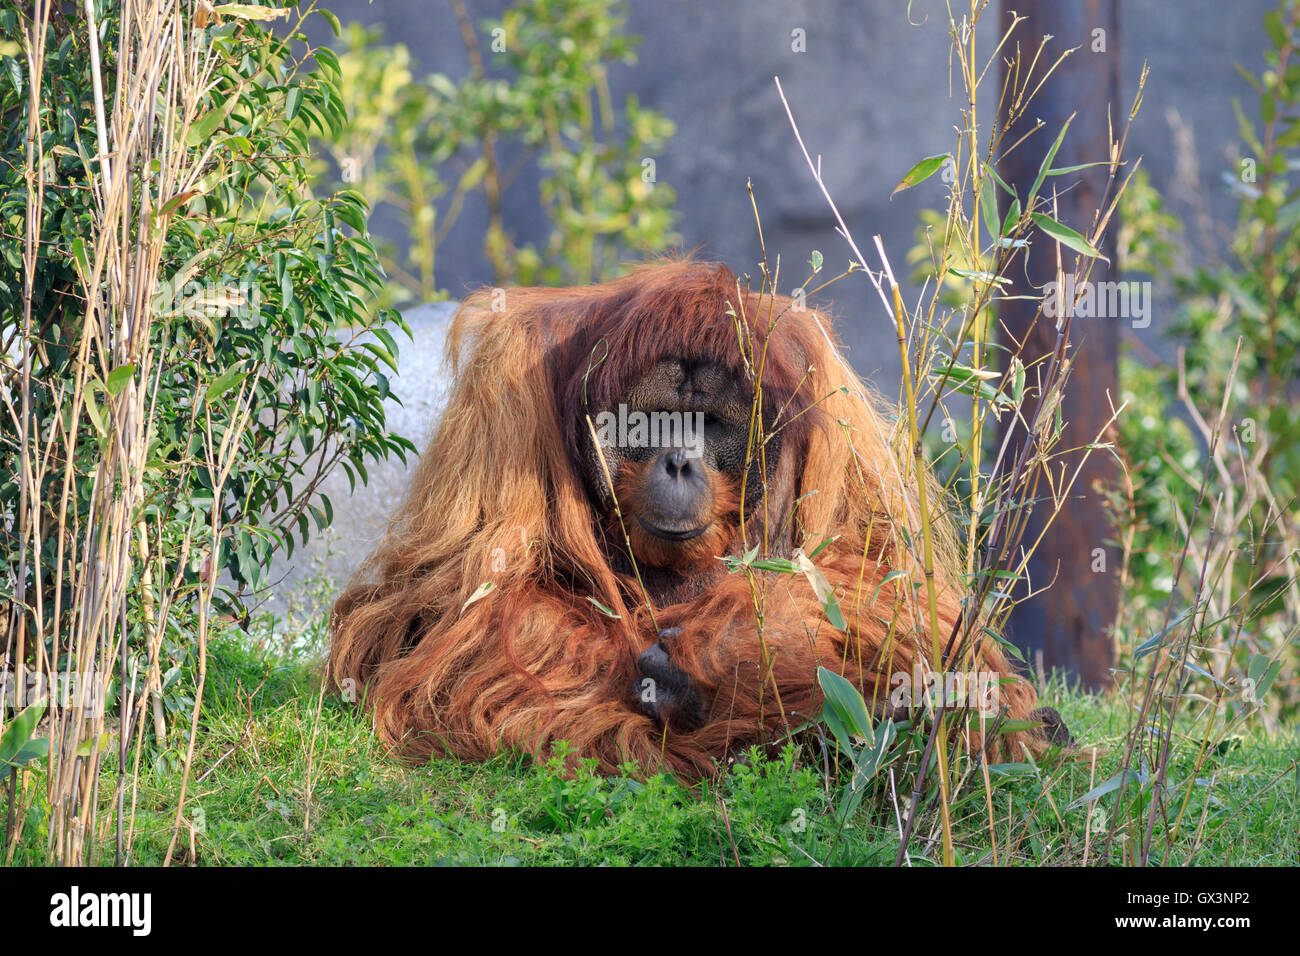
x: 182, y: 359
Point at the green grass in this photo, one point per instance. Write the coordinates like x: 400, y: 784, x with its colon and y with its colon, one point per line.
x: 249, y: 799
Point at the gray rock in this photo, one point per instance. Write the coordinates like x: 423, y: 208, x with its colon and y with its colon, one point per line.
x: 419, y: 392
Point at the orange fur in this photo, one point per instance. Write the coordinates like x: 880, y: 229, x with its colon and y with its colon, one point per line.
x: 499, y: 497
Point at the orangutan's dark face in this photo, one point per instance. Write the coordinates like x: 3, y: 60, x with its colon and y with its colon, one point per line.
x: 677, y: 445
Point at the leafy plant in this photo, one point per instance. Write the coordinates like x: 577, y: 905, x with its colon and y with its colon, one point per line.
x: 184, y: 351
x: 1208, y: 515
x: 537, y: 91
x: 1237, y: 326
x: 19, y: 745
x: 950, y: 365
x: 389, y: 151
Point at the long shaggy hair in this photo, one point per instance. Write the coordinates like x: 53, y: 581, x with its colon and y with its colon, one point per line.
x: 503, y: 612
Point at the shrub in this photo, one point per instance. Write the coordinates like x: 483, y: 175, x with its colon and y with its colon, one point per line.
x: 1237, y: 326
x: 538, y: 92
x: 183, y: 351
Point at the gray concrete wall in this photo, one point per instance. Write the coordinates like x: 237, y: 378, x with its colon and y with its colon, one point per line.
x: 871, y: 94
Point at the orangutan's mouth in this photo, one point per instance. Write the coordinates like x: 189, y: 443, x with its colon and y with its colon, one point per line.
x: 671, y: 535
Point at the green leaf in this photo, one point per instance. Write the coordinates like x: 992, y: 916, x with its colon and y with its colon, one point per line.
x: 998, y: 179
x: 1152, y: 643
x: 1262, y: 671
x: 19, y: 733
x: 1013, y: 769
x: 83, y: 262
x: 1013, y: 216
x: 867, y: 764
x: 1003, y: 643
x: 821, y: 547
x: 1017, y: 381
x: 117, y: 379
x: 988, y: 277
x: 292, y: 103
x: 1204, y: 673
x: 91, y: 744
x: 989, y: 208
x: 891, y: 576
x: 974, y: 382
x: 1062, y: 170
x: 206, y: 125
x: 224, y: 383
x: 34, y: 749
x: 837, y: 729
x: 822, y: 589
x: 920, y: 172
x: 1109, y: 786
x: 845, y: 700
x: 778, y: 565
x: 608, y: 612
x: 95, y: 414
x: 1275, y: 28
x: 241, y: 143
x: 1066, y: 236
x: 1047, y: 164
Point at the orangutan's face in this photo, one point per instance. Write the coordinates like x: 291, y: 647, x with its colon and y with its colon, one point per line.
x: 677, y: 447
